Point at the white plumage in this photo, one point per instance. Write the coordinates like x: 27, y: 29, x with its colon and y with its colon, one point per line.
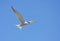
x: 23, y: 22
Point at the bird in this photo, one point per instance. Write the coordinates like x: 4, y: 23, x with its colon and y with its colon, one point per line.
x: 23, y: 22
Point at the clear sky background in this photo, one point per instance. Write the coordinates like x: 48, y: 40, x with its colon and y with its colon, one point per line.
x: 46, y: 13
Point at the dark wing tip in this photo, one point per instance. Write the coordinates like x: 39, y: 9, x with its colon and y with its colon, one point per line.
x: 13, y: 8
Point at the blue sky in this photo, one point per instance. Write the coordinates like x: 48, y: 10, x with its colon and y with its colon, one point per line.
x: 46, y: 13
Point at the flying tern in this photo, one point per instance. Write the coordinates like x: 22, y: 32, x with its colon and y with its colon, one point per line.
x: 23, y: 22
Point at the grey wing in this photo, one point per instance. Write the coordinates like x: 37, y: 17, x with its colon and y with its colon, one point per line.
x: 18, y: 14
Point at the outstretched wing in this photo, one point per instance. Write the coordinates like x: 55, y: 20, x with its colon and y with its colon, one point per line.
x: 18, y: 14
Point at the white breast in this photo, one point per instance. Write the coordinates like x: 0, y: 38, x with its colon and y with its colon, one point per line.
x: 26, y: 22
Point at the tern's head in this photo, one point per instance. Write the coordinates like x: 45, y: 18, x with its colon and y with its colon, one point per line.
x: 19, y: 26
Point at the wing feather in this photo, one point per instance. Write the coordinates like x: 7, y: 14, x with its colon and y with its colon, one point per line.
x: 18, y: 14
